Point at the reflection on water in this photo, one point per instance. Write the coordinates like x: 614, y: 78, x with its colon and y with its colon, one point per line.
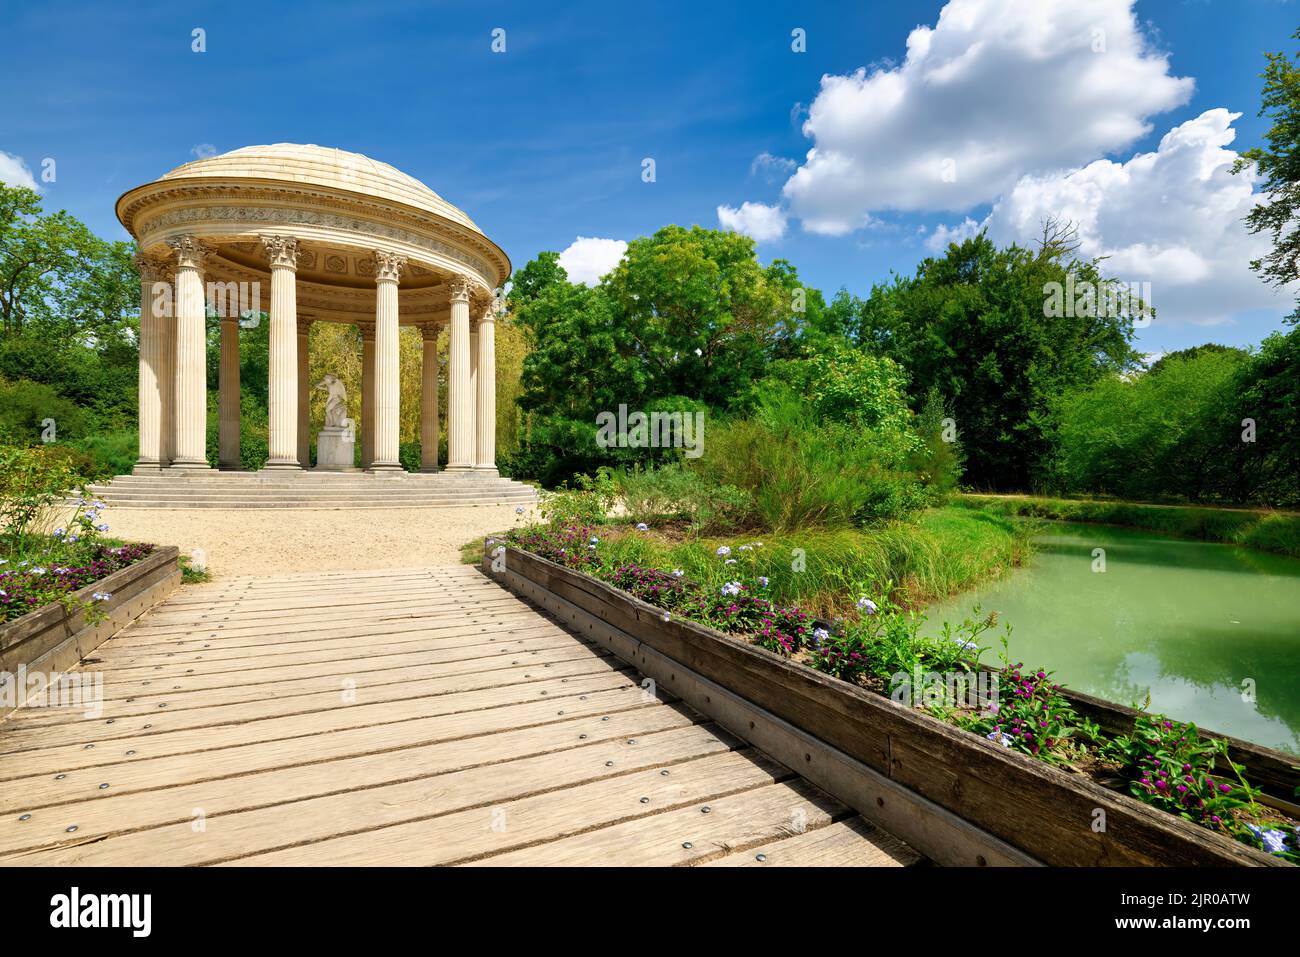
x: 1193, y: 623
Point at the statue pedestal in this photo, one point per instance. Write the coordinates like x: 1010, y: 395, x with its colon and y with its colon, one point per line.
x: 335, y: 450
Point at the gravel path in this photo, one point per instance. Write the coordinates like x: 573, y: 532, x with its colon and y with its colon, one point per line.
x: 266, y: 541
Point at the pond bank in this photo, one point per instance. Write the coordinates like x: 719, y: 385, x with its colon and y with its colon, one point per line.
x: 1264, y: 529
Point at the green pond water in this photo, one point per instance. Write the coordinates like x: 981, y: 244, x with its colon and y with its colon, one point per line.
x: 1191, y: 622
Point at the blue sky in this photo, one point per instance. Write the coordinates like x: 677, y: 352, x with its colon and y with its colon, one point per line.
x: 544, y: 143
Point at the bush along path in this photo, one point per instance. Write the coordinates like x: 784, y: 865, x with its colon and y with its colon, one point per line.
x: 1162, y: 762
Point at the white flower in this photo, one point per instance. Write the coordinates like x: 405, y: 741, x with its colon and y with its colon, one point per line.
x: 59, y: 533
x: 642, y: 527
x: 38, y: 571
x: 762, y: 580
x: 867, y: 605
x: 729, y: 561
x: 102, y: 528
x: 678, y: 573
x: 724, y: 550
x: 820, y: 635
x: 744, y: 548
x: 966, y: 645
x: 731, y: 588
x: 519, y: 510
x: 1000, y: 738
x: 667, y: 616
x: 102, y: 595
x: 595, y: 540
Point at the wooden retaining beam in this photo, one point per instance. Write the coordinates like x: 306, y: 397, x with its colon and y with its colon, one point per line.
x: 50, y: 641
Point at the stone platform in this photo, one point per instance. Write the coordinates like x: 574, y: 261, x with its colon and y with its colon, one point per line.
x: 288, y: 489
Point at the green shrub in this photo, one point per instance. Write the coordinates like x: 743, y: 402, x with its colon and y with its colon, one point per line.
x: 674, y: 491
x: 27, y: 407
x: 106, y: 454
x: 584, y: 501
x: 34, y: 483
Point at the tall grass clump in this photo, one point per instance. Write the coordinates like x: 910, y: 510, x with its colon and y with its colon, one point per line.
x: 944, y: 551
x: 801, y: 469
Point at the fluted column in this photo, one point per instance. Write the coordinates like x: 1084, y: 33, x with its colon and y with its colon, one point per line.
x: 304, y: 394
x: 460, y: 401
x: 485, y: 412
x: 150, y: 397
x: 387, y: 400
x: 191, y: 356
x: 282, y: 385
x: 473, y: 361
x: 228, y: 457
x: 429, y: 399
x: 367, y: 330
x: 165, y: 317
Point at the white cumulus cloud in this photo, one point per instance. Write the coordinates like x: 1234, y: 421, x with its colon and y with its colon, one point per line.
x: 763, y: 223
x: 14, y: 172
x: 588, y: 258
x: 994, y: 90
x: 1172, y: 217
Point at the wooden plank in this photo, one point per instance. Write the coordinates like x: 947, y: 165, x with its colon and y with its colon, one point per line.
x: 734, y: 822
x: 511, y: 824
x: 199, y: 664
x: 473, y: 736
x: 197, y: 690
x: 316, y: 801
x: 467, y: 631
x: 463, y: 677
x: 135, y: 733
x: 111, y: 727
x: 851, y: 843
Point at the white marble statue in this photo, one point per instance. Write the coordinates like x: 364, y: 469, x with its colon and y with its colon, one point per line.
x: 336, y: 403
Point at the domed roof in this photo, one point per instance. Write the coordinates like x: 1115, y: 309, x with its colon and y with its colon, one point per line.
x: 323, y: 166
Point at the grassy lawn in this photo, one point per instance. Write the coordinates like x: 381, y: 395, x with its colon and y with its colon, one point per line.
x: 1257, y: 528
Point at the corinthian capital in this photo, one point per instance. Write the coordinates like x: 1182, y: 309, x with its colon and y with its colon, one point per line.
x: 459, y: 288
x: 486, y: 307
x: 388, y: 266
x: 151, y: 268
x: 281, y: 251
x: 190, y: 253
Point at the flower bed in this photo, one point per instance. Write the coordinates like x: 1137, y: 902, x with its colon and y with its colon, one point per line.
x: 1033, y: 744
x: 59, y: 634
x: 28, y: 586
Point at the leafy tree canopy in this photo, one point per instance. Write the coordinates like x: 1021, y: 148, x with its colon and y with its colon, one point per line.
x: 1278, y: 164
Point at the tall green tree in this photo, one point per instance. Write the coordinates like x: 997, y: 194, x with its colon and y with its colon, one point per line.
x: 996, y: 334
x: 688, y: 318
x: 1278, y: 164
x: 57, y: 277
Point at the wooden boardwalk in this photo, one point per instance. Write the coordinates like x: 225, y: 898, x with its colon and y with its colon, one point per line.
x: 413, y: 717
